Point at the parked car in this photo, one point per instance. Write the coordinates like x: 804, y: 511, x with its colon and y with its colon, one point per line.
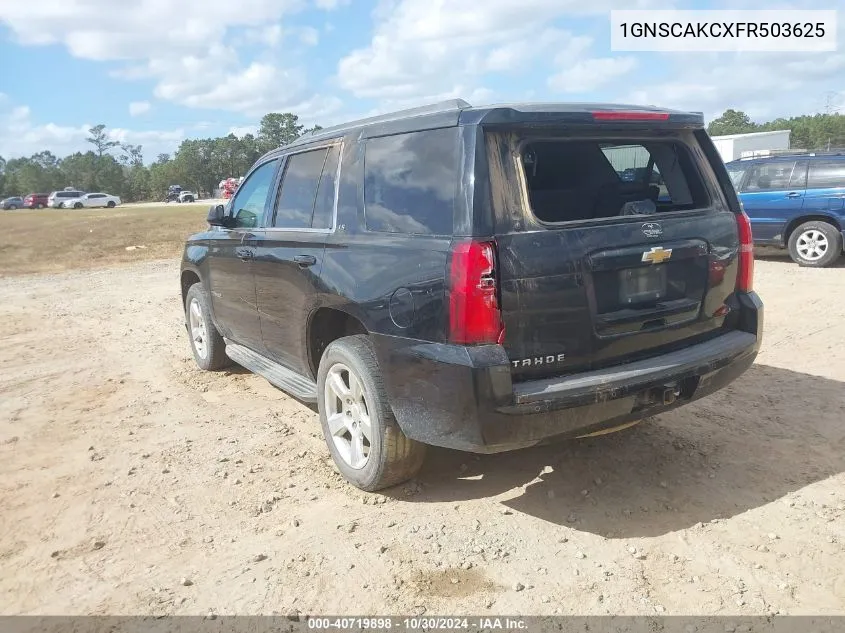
x: 173, y: 194
x: 420, y: 283
x: 795, y: 202
x: 91, y: 200
x: 187, y: 196
x: 15, y: 202
x: 36, y: 201
x: 56, y: 198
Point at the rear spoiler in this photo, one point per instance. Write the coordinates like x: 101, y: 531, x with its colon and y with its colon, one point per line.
x: 621, y: 117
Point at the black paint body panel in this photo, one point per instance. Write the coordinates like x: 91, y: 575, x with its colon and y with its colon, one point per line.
x: 479, y: 398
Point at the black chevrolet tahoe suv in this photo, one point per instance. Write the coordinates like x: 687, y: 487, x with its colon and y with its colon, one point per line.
x: 480, y: 278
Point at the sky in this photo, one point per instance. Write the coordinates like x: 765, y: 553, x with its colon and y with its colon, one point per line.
x: 158, y: 71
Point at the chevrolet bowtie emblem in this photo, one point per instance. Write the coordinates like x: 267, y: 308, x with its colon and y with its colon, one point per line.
x: 657, y: 255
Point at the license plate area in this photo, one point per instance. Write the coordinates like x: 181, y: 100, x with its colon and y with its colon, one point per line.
x: 643, y: 285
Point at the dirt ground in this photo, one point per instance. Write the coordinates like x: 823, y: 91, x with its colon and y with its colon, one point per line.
x: 57, y: 240
x: 133, y: 483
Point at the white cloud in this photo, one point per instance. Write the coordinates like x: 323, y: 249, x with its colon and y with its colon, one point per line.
x: 420, y: 46
x: 21, y: 136
x: 187, y: 58
x: 309, y: 36
x: 137, y: 108
x: 268, y: 35
x: 242, y: 130
x: 765, y: 85
x: 106, y: 30
x: 589, y: 74
x: 330, y: 5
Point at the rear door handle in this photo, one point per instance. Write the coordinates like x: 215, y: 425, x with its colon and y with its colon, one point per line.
x: 244, y: 254
x: 304, y: 261
x: 793, y: 194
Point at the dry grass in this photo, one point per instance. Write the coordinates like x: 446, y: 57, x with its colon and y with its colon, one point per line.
x: 53, y: 240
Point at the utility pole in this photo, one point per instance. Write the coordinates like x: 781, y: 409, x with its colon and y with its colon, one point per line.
x: 830, y: 103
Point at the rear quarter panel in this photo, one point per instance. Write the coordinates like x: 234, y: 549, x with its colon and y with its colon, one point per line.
x: 393, y: 283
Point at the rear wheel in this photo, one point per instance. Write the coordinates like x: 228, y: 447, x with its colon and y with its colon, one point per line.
x: 77, y: 205
x: 206, y: 343
x: 815, y: 244
x: 364, y: 439
x: 39, y: 206
x: 13, y: 206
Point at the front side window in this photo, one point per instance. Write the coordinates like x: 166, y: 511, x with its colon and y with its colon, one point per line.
x: 410, y: 182
x: 247, y: 206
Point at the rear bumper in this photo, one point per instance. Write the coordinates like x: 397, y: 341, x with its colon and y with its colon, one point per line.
x: 463, y: 398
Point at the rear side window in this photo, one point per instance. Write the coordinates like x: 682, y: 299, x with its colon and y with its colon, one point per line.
x: 736, y: 172
x: 410, y: 182
x: 571, y: 179
x: 826, y: 174
x: 306, y: 199
x: 299, y: 189
x: 324, y: 204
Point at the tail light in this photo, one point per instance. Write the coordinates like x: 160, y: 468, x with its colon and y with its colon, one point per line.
x: 745, y: 278
x: 474, y: 315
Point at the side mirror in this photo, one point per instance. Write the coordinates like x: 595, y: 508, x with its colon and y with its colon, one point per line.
x: 217, y: 215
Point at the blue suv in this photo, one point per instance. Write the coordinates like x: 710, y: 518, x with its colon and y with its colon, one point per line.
x: 795, y: 201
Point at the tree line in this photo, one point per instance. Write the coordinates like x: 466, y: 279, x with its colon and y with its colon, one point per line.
x: 809, y: 131
x: 119, y: 168
x: 200, y: 164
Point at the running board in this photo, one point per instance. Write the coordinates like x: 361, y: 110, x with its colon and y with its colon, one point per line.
x: 277, y: 375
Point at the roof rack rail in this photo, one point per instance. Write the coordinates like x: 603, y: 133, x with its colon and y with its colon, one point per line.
x: 795, y: 152
x: 452, y: 105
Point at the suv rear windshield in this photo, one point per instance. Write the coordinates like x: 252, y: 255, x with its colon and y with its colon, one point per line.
x: 575, y: 179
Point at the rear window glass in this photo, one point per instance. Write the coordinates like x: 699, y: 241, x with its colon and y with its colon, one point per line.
x: 410, y: 182
x: 571, y: 180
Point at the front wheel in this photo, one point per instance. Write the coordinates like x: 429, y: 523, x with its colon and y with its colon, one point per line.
x: 110, y: 205
x: 364, y: 439
x: 815, y: 244
x: 78, y: 205
x: 208, y: 346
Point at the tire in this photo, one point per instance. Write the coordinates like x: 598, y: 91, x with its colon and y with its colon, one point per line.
x: 13, y: 207
x: 77, y: 205
x: 391, y: 457
x: 111, y: 204
x: 39, y: 206
x: 210, y: 351
x: 815, y: 244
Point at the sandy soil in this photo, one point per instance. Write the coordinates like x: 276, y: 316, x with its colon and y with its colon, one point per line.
x: 133, y: 483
